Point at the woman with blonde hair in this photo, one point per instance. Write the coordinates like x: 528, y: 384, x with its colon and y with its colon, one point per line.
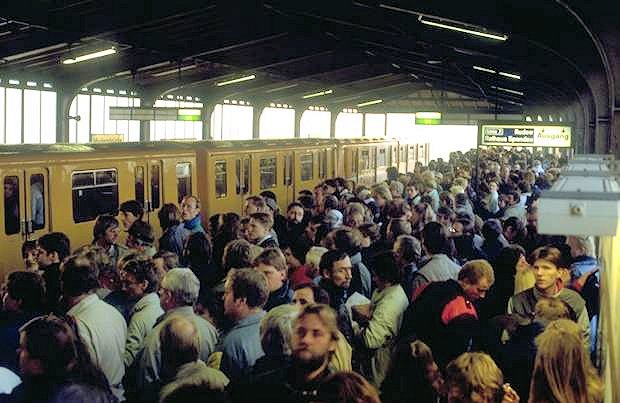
x: 475, y: 378
x: 562, y: 370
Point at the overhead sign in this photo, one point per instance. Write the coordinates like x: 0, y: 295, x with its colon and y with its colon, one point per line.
x: 524, y: 135
x: 428, y: 118
x: 133, y: 113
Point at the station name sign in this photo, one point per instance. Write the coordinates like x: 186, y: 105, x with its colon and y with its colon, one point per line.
x: 524, y: 135
x: 137, y: 113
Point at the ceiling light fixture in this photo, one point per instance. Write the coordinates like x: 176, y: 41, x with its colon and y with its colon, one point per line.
x: 464, y: 29
x: 173, y: 71
x: 286, y: 87
x: 236, y: 80
x: 317, y: 94
x: 508, y: 90
x: 34, y: 52
x: 510, y: 75
x: 485, y: 69
x: 376, y: 101
x: 90, y: 56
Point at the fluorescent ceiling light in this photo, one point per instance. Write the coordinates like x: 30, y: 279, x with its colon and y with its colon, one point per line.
x: 318, y: 94
x: 34, y: 52
x: 174, y: 71
x: 376, y: 101
x: 122, y: 73
x: 153, y: 66
x: 441, y: 24
x: 90, y: 56
x: 510, y: 75
x: 236, y: 80
x: 508, y: 90
x: 485, y: 69
x: 286, y: 87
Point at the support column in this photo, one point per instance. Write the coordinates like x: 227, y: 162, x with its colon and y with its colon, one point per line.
x: 298, y: 114
x: 332, y: 126
x: 363, y: 124
x: 616, y: 131
x: 207, y: 111
x: 256, y: 114
x: 63, y: 104
x: 145, y: 125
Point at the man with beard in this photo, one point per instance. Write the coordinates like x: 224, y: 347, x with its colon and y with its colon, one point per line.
x: 295, y: 223
x: 314, y: 339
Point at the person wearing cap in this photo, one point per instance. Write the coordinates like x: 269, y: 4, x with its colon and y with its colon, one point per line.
x: 141, y: 238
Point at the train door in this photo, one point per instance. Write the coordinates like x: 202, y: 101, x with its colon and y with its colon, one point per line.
x: 25, y: 211
x: 242, y: 182
x: 148, y: 191
x: 288, y: 180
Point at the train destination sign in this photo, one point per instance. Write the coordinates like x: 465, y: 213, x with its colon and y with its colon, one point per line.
x: 524, y: 135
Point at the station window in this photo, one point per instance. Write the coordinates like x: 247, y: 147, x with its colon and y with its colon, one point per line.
x: 288, y: 170
x: 11, y: 205
x: 268, y: 174
x: 381, y: 158
x: 155, y: 187
x: 221, y: 187
x: 37, y: 201
x: 139, y: 184
x: 94, y: 193
x: 306, y: 162
x: 184, y: 180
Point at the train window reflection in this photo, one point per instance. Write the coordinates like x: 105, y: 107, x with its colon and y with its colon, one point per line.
x: 322, y: 164
x: 268, y: 175
x: 381, y: 158
x: 288, y: 170
x: 11, y: 205
x: 221, y: 187
x: 139, y: 185
x: 94, y: 193
x: 246, y: 175
x: 307, y: 166
x: 364, y: 160
x: 37, y: 201
x: 155, y: 192
x: 184, y: 180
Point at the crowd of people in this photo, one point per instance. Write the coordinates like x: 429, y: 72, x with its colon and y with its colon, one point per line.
x: 433, y: 286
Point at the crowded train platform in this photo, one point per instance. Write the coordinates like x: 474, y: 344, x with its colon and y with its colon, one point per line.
x: 431, y: 286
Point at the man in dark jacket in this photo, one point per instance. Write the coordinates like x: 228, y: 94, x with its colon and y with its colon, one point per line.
x: 53, y: 248
x: 443, y: 315
x: 272, y: 264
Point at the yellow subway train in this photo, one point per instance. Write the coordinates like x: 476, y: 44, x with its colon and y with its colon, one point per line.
x: 64, y: 187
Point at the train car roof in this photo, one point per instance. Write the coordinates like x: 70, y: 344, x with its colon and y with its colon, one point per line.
x: 179, y: 146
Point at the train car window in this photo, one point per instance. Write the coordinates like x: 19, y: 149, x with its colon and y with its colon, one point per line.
x: 288, y: 170
x: 403, y: 154
x: 322, y: 164
x: 268, y: 174
x: 373, y: 158
x: 184, y: 180
x: 94, y: 193
x: 381, y: 158
x: 246, y: 175
x: 238, y: 176
x: 139, y: 185
x: 155, y: 187
x: 306, y: 162
x: 364, y: 160
x: 412, y: 152
x: 37, y: 201
x: 221, y: 186
x: 11, y: 205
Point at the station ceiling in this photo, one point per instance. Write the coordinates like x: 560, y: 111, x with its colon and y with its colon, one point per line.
x: 361, y: 50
